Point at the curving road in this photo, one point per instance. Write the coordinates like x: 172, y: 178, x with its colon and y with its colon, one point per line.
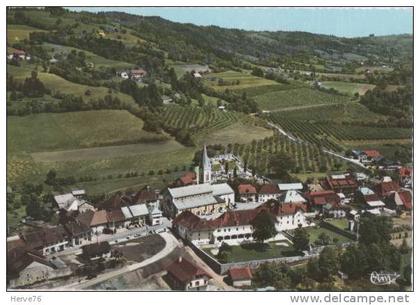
x: 170, y: 244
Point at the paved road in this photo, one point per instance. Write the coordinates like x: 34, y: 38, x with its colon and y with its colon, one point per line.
x: 170, y: 244
x: 357, y: 162
x: 118, y: 237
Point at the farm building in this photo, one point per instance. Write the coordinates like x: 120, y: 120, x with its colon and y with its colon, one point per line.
x: 184, y: 275
x: 268, y: 191
x: 240, y: 277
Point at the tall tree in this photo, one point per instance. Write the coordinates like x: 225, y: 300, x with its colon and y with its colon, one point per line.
x: 264, y: 226
x: 301, y: 239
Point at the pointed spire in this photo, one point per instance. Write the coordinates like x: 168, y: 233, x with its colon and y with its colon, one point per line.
x: 206, y: 160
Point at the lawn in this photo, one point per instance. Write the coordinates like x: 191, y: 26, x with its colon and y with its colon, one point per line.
x: 255, y: 251
x: 277, y: 100
x: 348, y: 87
x: 19, y: 32
x: 72, y: 130
x: 314, y: 233
x: 341, y: 223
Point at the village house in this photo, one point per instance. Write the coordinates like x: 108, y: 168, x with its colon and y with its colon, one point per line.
x: 96, y: 251
x: 247, y: 193
x: 201, y: 199
x: 28, y: 267
x: 96, y: 220
x: 369, y: 156
x: 405, y: 174
x: 235, y: 227
x: 368, y: 198
x: 50, y: 240
x: 386, y: 187
x: 184, y: 275
x: 400, y: 201
x: 135, y: 214
x: 341, y: 184
x: 292, y: 196
x: 319, y: 200
x: 240, y: 277
x: 73, y: 202
x: 268, y: 191
x: 137, y: 74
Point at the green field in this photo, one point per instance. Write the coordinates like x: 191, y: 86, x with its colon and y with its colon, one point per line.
x: 60, y: 131
x: 19, y: 32
x: 246, y: 80
x: 57, y: 83
x: 348, y: 87
x: 297, y: 97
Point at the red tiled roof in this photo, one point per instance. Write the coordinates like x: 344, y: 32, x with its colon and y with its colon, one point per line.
x: 384, y: 188
x: 406, y: 198
x: 278, y: 209
x: 98, y: 218
x: 324, y: 197
x: 405, y: 171
x: 188, y: 178
x: 338, y: 183
x: 115, y: 216
x: 372, y: 153
x: 144, y: 196
x: 240, y: 274
x: 246, y: 189
x: 269, y: 189
x: 185, y: 271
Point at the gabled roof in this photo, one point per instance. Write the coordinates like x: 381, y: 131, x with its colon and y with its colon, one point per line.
x: 190, y: 190
x: 292, y: 196
x: 115, y: 216
x: 269, y: 189
x: 188, y: 178
x: 384, y: 188
x: 221, y: 189
x: 144, y: 196
x: 290, y: 186
x: 246, y: 189
x: 240, y: 274
x: 323, y: 197
x: 98, y: 218
x: 372, y: 153
x: 185, y: 271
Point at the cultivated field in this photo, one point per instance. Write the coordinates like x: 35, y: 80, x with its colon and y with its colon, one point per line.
x: 233, y: 80
x: 348, y: 87
x: 277, y: 100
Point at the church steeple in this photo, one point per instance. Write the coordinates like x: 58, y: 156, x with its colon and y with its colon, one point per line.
x: 206, y: 166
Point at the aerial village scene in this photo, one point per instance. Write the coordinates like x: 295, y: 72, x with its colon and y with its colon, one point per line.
x: 153, y: 155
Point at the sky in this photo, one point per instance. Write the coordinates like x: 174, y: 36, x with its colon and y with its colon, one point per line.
x: 343, y: 22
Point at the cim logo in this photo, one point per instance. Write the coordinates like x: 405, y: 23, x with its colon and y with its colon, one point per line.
x: 383, y: 278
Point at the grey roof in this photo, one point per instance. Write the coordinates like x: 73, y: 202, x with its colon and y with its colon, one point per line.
x: 190, y: 190
x: 135, y: 210
x: 292, y: 196
x: 221, y: 189
x: 193, y: 202
x: 366, y: 191
x: 290, y: 186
